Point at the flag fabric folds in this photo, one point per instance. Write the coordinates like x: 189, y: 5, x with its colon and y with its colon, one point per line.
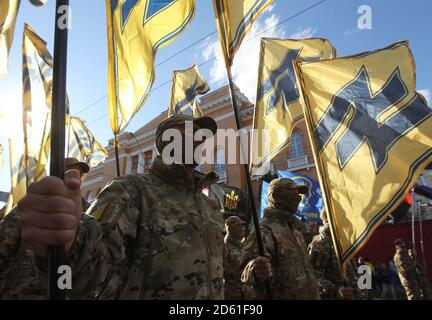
x: 136, y: 31
x: 19, y: 173
x: 37, y: 96
x: 278, y: 106
x: 82, y: 145
x: 37, y: 72
x: 311, y: 204
x: 371, y: 135
x: 187, y: 84
x: 8, y: 14
x: 234, y: 18
x: 232, y: 200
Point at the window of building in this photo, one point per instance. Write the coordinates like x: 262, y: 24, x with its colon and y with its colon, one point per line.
x: 296, y: 148
x: 148, y: 159
x: 124, y: 164
x: 220, y: 160
x: 134, y: 164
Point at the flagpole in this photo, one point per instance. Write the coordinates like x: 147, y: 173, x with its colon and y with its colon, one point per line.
x: 254, y: 212
x: 116, y: 149
x: 58, y: 114
x: 421, y: 235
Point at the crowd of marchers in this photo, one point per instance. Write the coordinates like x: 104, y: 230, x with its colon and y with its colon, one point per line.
x: 158, y: 236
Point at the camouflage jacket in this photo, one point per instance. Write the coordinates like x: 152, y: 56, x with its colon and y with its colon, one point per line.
x: 406, y: 269
x: 293, y: 275
x: 152, y: 236
x: 324, y: 261
x: 10, y: 235
x: 327, y: 270
x: 232, y: 274
x: 19, y: 276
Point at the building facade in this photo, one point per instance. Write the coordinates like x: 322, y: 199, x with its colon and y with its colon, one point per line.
x: 137, y: 149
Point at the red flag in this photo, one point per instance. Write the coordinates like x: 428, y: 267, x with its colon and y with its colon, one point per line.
x: 408, y: 199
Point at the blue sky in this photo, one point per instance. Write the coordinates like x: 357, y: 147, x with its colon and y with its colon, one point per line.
x: 336, y: 20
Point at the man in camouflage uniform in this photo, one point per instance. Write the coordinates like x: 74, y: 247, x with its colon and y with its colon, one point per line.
x: 152, y: 236
x: 323, y: 259
x: 19, y: 275
x: 407, y: 271
x: 421, y: 275
x: 232, y: 254
x: 287, y: 259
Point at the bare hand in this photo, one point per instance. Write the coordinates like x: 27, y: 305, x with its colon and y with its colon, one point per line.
x: 50, y: 212
x: 262, y: 269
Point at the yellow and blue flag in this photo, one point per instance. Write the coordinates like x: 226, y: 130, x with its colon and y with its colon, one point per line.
x: 37, y: 72
x: 187, y: 84
x: 311, y: 204
x: 278, y: 107
x: 20, y: 172
x: 82, y: 145
x: 371, y: 134
x: 8, y: 14
x: 37, y: 98
x: 137, y: 29
x: 234, y: 18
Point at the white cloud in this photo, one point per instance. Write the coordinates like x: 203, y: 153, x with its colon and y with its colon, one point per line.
x: 351, y: 32
x: 305, y: 33
x: 245, y: 67
x: 427, y: 93
x: 270, y: 8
